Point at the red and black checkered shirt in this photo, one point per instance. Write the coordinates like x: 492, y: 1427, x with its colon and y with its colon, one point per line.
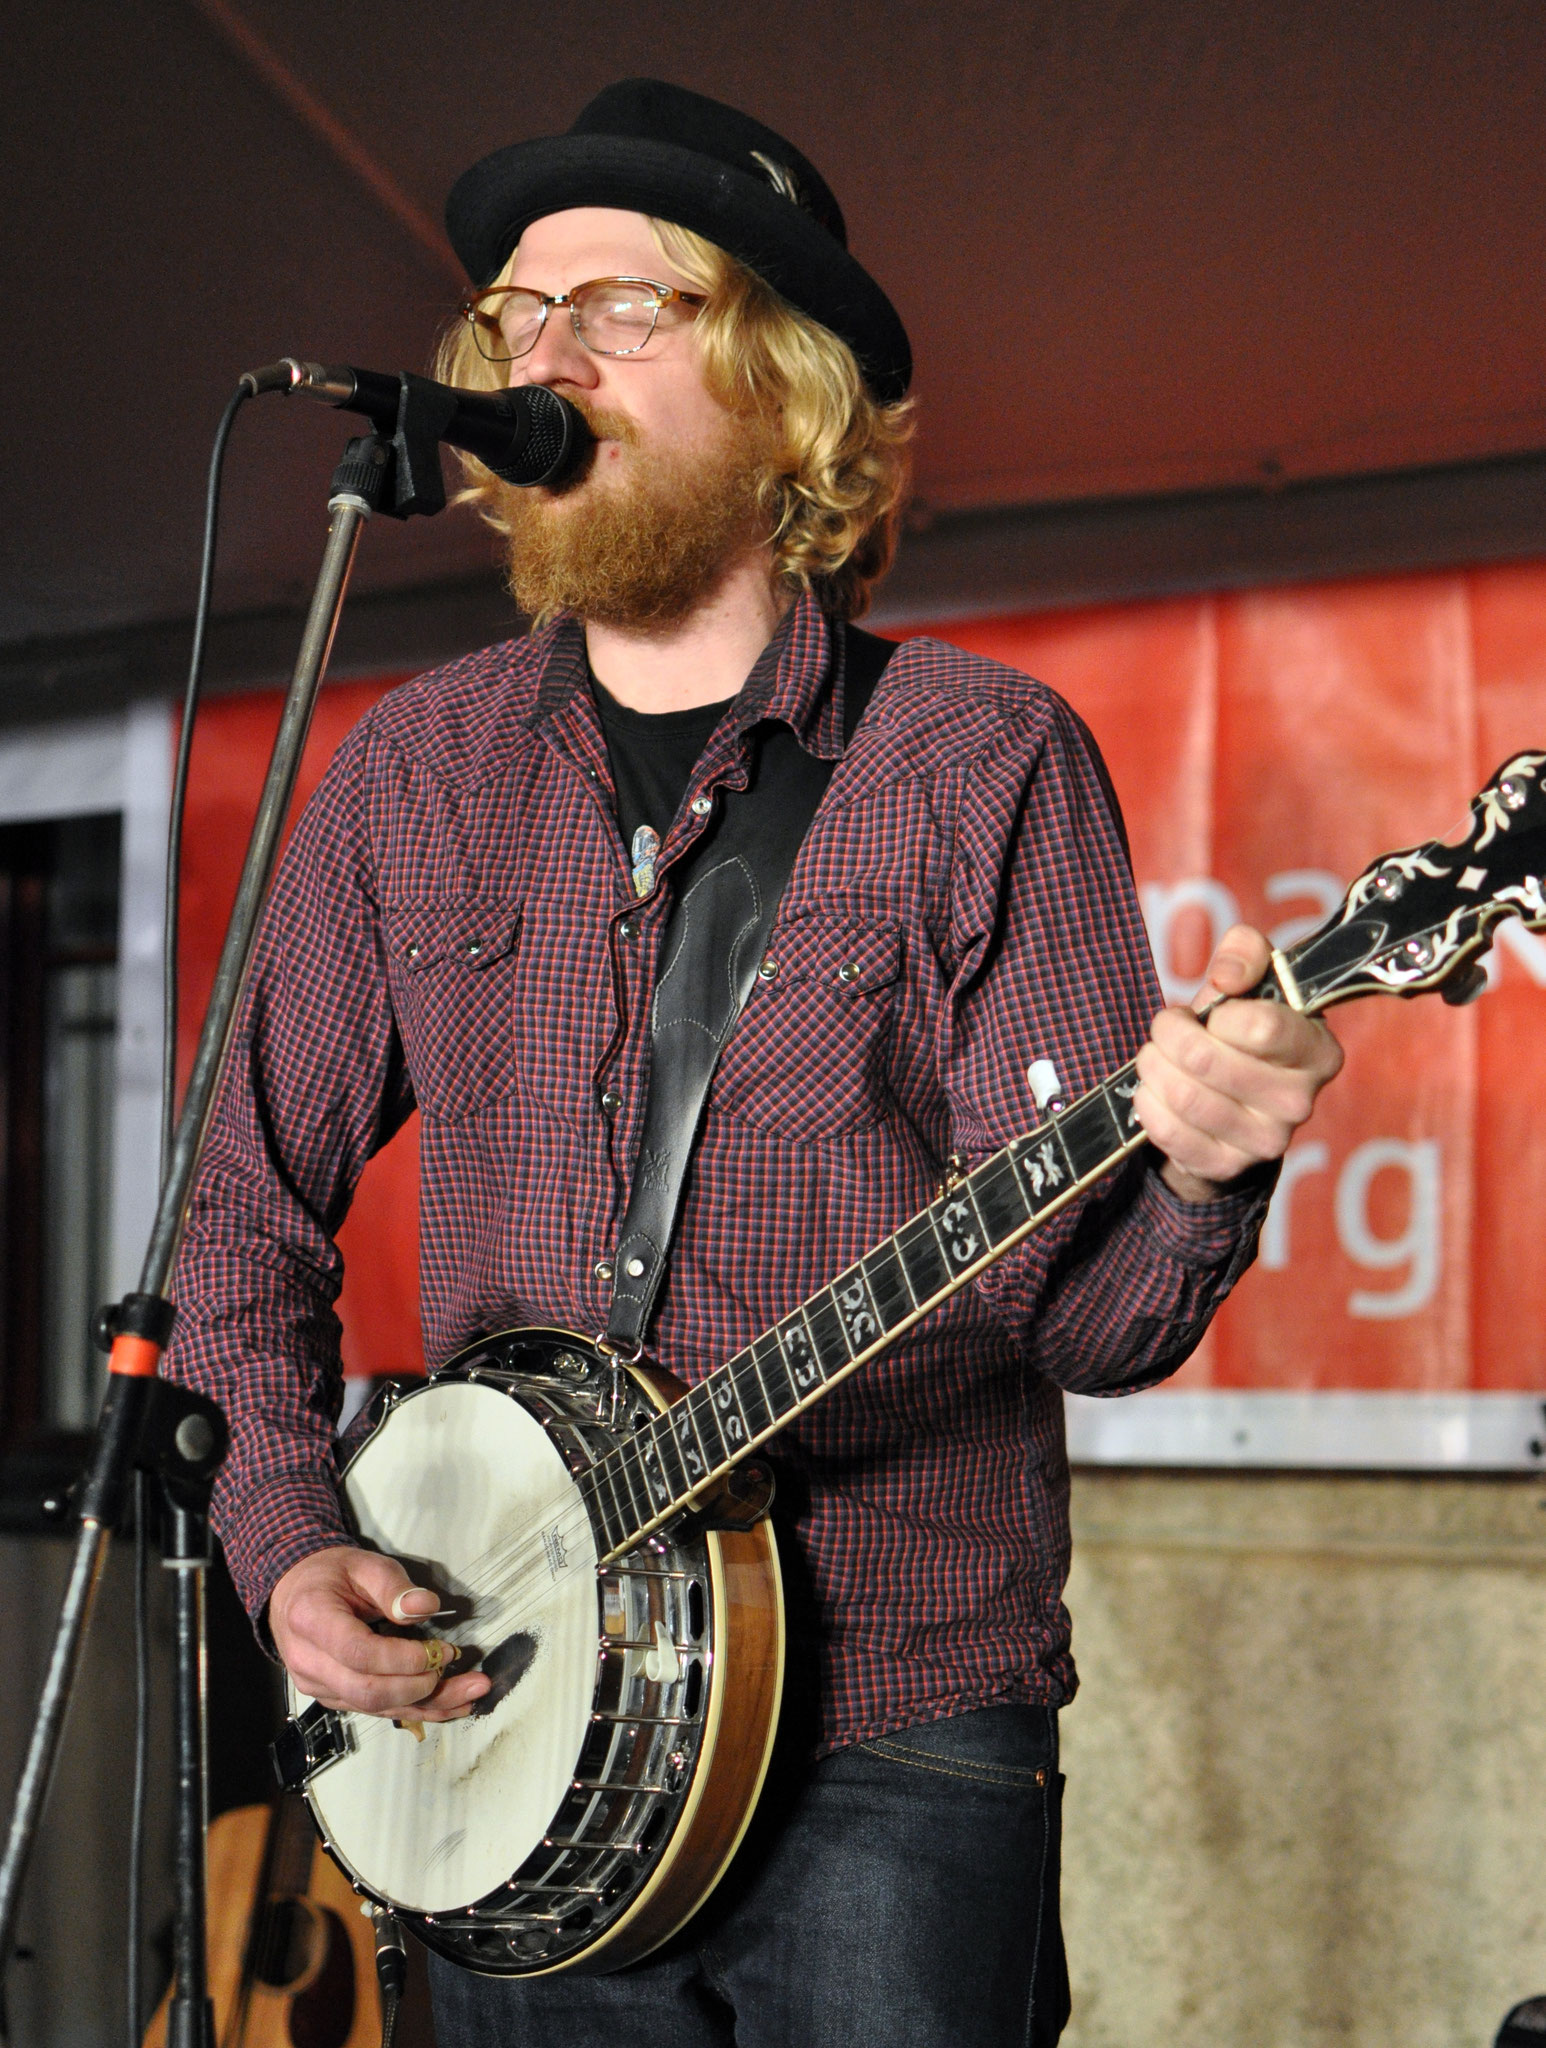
x: 454, y: 926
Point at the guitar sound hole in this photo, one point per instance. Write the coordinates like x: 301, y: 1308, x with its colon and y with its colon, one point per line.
x: 323, y: 2014
x: 289, y: 1945
x: 304, y: 1949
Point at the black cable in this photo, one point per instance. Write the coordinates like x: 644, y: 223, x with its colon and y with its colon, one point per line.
x: 136, y: 1894
x: 174, y: 833
x: 136, y: 1997
x: 391, y: 1968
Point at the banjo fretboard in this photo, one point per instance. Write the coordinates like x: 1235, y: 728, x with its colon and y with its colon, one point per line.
x: 675, y: 1457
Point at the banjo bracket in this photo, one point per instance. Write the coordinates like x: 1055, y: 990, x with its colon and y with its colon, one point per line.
x: 617, y: 1393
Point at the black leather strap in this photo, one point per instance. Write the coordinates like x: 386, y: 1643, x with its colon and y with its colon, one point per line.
x: 727, y: 895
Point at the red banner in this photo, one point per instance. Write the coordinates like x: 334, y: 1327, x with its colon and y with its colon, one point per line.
x: 1267, y: 745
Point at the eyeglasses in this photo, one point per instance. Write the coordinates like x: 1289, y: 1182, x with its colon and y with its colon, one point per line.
x: 611, y: 316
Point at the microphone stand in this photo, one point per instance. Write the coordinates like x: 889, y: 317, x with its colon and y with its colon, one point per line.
x: 152, y: 1423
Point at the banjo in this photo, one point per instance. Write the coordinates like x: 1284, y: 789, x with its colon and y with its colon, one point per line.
x: 597, y: 1533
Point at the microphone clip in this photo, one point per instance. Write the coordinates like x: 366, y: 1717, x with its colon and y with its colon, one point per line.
x: 409, y: 480
x: 417, y: 483
x: 409, y: 414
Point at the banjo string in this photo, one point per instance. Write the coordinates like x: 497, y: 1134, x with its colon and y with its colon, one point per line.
x: 371, y: 1728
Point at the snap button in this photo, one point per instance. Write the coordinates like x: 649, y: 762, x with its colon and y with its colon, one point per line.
x: 636, y: 1269
x: 602, y: 1269
x: 473, y: 950
x: 414, y: 949
x: 611, y: 1102
x: 701, y: 806
x: 849, y: 971
x: 768, y: 969
x: 627, y: 928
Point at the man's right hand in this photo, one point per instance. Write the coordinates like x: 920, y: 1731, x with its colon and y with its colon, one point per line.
x: 319, y: 1615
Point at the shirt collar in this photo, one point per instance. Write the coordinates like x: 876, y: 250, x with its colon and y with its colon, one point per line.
x: 797, y: 679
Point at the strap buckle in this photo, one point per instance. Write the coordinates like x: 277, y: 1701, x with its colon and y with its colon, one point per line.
x: 618, y: 1354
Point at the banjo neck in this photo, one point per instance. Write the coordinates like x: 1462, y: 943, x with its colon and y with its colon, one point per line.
x: 678, y: 1457
x: 1412, y: 921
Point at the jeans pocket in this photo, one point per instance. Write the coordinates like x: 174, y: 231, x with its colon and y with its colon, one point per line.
x: 1013, y: 1748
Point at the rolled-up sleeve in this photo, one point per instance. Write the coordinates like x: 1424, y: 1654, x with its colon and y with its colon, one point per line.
x: 314, y: 1083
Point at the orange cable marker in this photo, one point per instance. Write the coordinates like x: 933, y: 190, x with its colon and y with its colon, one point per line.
x: 135, y: 1357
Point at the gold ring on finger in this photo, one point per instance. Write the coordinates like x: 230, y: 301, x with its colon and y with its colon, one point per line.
x: 435, y: 1653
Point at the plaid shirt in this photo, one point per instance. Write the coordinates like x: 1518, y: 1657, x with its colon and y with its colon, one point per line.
x: 454, y: 927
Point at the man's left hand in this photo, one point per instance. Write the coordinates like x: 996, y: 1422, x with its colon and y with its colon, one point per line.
x: 1219, y: 1097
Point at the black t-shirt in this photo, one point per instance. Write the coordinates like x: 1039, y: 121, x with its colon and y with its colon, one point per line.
x: 653, y: 755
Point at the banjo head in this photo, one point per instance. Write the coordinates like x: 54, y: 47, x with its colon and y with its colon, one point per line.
x: 466, y: 1487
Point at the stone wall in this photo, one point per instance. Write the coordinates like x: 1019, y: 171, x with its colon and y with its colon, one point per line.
x: 1307, y: 1766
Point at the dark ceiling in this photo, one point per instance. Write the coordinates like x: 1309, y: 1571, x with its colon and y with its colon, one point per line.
x: 1142, y: 247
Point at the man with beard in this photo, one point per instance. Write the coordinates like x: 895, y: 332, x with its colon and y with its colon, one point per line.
x: 470, y: 921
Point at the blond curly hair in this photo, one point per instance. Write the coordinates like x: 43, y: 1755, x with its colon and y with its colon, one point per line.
x: 838, y: 467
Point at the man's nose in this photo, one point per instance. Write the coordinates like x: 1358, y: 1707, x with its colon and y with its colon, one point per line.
x: 559, y: 357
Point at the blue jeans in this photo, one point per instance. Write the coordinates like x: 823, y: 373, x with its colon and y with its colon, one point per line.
x: 900, y: 1894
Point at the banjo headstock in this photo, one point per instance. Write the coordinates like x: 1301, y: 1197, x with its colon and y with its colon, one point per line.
x: 1414, y: 920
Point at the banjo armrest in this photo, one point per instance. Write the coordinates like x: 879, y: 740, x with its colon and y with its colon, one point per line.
x: 307, y: 1743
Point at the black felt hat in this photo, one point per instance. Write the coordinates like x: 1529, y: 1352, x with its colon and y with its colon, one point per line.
x: 655, y: 148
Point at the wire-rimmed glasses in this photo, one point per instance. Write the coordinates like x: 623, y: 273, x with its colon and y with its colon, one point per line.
x: 611, y: 316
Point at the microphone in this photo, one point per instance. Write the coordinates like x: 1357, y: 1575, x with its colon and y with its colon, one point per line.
x: 391, y: 1950
x: 528, y: 435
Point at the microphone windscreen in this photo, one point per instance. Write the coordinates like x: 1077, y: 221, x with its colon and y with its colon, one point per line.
x: 555, y: 440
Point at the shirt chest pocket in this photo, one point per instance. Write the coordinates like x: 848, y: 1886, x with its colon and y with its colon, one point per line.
x: 809, y: 1055
x: 451, y: 968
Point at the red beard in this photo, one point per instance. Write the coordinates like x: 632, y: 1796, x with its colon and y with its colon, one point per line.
x: 639, y: 549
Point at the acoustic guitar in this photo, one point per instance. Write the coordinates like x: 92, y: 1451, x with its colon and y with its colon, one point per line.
x: 591, y: 1527
x: 292, y: 1963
